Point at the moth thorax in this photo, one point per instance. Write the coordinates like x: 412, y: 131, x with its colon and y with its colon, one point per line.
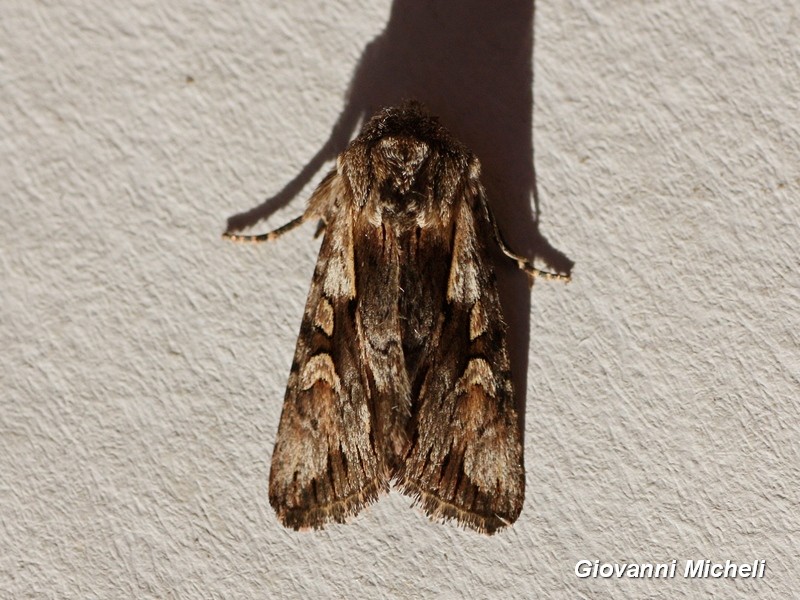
x: 399, y: 165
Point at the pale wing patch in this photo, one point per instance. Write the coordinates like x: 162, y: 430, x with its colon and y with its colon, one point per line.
x: 477, y: 321
x: 478, y: 416
x: 487, y: 460
x: 320, y: 368
x: 475, y: 391
x: 338, y: 275
x: 463, y: 284
x: 323, y: 318
x: 478, y: 372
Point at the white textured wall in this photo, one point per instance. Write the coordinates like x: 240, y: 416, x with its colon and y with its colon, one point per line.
x: 144, y: 360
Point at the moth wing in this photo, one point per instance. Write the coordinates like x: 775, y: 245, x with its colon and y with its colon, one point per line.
x: 466, y: 459
x: 325, y: 466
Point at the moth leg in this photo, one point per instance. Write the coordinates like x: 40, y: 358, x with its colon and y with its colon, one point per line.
x: 320, y: 228
x: 319, y: 205
x: 266, y: 237
x: 524, y: 263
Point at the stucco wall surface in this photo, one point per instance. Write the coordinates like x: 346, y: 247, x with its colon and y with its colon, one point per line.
x: 144, y: 359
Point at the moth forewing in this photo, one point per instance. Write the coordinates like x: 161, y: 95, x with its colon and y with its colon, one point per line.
x: 401, y: 372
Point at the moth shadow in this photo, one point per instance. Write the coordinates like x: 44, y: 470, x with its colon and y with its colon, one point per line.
x: 470, y: 63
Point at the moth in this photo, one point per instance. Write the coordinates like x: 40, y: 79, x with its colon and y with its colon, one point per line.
x: 401, y: 373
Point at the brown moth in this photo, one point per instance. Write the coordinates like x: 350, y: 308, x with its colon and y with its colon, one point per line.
x: 401, y: 373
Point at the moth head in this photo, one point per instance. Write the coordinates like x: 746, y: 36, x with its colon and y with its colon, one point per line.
x: 390, y: 174
x: 404, y: 166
